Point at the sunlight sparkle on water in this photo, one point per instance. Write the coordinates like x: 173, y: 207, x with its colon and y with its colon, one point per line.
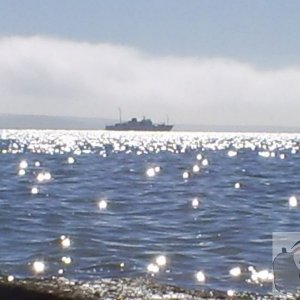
x: 38, y: 267
x: 265, y: 276
x: 23, y: 164
x: 41, y: 177
x: 34, y: 190
x: 161, y: 260
x: 102, y: 204
x: 196, y: 168
x: 71, y: 160
x: 282, y: 156
x: 200, y: 276
x: 230, y: 293
x: 265, y: 154
x: 235, y: 272
x: 251, y: 269
x: 293, y: 202
x: 293, y: 151
x: 185, y: 175
x: 231, y: 153
x: 21, y: 172
x: 157, y: 169
x: 237, y: 185
x: 199, y: 156
x: 195, y: 203
x: 66, y: 260
x: 205, y: 162
x: 47, y: 176
x: 65, y: 241
x: 150, y: 172
x: 260, y: 276
x: 10, y: 278
x: 153, y: 268
x: 60, y: 144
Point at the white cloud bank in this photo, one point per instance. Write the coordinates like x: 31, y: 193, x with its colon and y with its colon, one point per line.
x: 40, y: 75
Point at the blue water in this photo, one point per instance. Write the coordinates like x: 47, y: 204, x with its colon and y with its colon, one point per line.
x: 147, y: 216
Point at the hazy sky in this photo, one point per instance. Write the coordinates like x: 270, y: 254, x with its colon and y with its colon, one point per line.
x: 200, y: 62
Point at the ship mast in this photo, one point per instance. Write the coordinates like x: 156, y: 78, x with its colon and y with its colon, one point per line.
x: 120, y: 114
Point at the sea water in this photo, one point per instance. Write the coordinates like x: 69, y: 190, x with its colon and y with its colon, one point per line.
x: 195, y: 210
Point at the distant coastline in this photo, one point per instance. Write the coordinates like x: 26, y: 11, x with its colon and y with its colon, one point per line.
x: 14, y: 121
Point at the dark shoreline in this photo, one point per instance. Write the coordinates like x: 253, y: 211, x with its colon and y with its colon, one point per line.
x: 120, y: 288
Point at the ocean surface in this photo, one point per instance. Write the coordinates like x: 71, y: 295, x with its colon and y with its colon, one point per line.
x: 195, y: 210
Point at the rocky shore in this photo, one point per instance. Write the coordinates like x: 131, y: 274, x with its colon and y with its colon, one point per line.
x: 121, y: 289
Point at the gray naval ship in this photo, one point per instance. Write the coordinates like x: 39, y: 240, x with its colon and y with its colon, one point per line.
x: 143, y: 125
x: 136, y: 125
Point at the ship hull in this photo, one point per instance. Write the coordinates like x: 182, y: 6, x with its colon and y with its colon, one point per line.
x: 135, y: 125
x: 132, y: 128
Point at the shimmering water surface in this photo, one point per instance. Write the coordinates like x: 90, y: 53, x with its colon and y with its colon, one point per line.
x: 192, y: 209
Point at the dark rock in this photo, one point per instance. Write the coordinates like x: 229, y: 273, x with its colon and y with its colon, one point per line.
x: 121, y: 289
